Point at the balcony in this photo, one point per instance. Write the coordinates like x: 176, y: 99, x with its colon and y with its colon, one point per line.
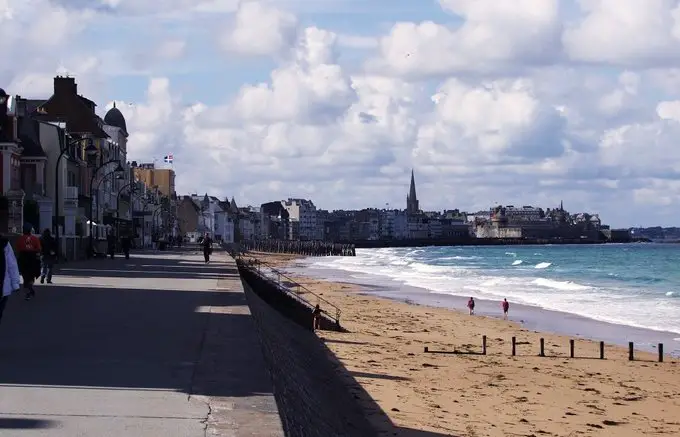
x: 71, y: 193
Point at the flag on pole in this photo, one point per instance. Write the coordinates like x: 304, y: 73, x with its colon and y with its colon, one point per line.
x: 169, y: 158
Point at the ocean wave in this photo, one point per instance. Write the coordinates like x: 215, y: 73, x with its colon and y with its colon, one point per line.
x: 517, y: 262
x: 543, y: 265
x: 511, y: 253
x: 560, y: 285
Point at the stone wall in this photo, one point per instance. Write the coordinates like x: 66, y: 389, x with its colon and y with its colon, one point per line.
x: 311, y: 389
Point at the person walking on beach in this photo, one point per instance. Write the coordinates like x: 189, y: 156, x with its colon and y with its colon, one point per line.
x: 506, y: 306
x: 316, y: 316
x: 49, y: 255
x: 10, y: 279
x: 207, y: 247
x: 471, y: 306
x: 28, y: 259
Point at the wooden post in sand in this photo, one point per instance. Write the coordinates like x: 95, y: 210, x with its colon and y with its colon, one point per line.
x: 631, y: 351
x: 661, y: 352
x: 571, y: 348
x: 514, y: 349
x: 425, y: 349
x: 602, y: 350
x: 541, y: 353
x: 483, y: 344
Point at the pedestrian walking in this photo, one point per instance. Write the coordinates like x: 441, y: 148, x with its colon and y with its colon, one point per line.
x: 506, y: 307
x: 48, y: 255
x: 471, y: 306
x: 207, y: 247
x: 125, y: 244
x: 10, y: 281
x: 316, y: 318
x: 28, y: 259
x: 111, y: 244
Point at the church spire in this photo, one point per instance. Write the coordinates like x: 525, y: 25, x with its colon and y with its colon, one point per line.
x: 412, y: 206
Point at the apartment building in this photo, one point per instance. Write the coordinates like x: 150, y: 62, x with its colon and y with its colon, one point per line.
x: 303, y: 217
x: 163, y: 178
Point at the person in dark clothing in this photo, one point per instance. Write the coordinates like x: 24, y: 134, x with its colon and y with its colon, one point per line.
x: 48, y: 256
x: 125, y: 244
x: 111, y: 244
x: 207, y: 247
x: 316, y: 316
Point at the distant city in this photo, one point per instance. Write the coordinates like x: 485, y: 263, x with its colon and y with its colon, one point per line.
x: 299, y: 219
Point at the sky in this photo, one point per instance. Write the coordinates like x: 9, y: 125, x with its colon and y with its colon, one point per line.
x: 514, y: 102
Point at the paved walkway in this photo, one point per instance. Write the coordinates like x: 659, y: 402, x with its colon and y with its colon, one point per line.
x: 158, y: 345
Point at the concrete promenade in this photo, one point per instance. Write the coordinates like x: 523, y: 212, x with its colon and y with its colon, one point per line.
x: 160, y: 345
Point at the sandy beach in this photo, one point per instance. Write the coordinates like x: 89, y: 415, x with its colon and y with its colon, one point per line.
x: 497, y: 394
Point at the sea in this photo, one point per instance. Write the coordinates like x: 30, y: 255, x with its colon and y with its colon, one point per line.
x: 611, y: 292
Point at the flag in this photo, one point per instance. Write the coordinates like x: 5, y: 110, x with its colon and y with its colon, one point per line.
x: 169, y: 158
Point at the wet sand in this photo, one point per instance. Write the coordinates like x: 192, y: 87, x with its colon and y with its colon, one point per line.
x: 466, y: 394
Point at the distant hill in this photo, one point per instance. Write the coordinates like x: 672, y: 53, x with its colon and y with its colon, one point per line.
x: 657, y: 233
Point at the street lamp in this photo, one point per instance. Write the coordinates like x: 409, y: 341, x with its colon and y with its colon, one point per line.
x: 63, y: 153
x: 119, y: 169
x: 132, y: 189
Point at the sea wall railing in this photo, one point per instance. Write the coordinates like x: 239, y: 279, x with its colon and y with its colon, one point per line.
x: 289, y: 286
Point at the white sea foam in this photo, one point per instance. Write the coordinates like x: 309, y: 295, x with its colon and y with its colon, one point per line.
x: 670, y: 294
x: 560, y: 285
x: 511, y: 253
x: 517, y: 262
x: 533, y: 285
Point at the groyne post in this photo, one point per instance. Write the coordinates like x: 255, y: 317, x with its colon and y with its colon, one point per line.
x: 483, y: 344
x: 541, y: 353
x: 425, y: 349
x: 661, y: 352
x: 514, y: 346
x: 571, y: 348
x: 602, y: 350
x: 631, y: 351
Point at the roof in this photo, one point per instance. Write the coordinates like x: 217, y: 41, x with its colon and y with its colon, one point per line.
x: 74, y: 110
x: 115, y: 118
x: 29, y: 135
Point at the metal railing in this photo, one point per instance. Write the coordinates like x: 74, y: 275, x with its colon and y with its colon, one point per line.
x: 288, y: 285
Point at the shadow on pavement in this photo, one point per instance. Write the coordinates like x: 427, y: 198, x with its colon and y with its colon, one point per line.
x: 129, y: 337
x: 24, y: 423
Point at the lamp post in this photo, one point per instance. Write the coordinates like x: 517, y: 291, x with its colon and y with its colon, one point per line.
x: 154, y: 228
x: 132, y: 189
x: 118, y: 169
x: 62, y: 153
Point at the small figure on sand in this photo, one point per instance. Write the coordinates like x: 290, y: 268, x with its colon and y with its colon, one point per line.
x: 316, y: 315
x: 506, y: 306
x: 471, y: 306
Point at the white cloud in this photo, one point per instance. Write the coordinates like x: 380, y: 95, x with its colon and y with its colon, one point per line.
x: 493, y: 35
x: 626, y: 32
x: 260, y: 30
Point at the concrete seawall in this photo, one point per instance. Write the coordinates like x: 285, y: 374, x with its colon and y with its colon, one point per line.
x: 311, y: 389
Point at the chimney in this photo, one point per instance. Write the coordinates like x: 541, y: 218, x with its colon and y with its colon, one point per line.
x: 65, y: 85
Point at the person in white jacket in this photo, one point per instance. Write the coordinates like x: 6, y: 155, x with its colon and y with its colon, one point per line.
x: 11, y: 280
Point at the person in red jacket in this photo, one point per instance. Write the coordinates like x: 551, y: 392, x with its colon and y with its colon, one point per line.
x: 28, y: 257
x: 506, y: 306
